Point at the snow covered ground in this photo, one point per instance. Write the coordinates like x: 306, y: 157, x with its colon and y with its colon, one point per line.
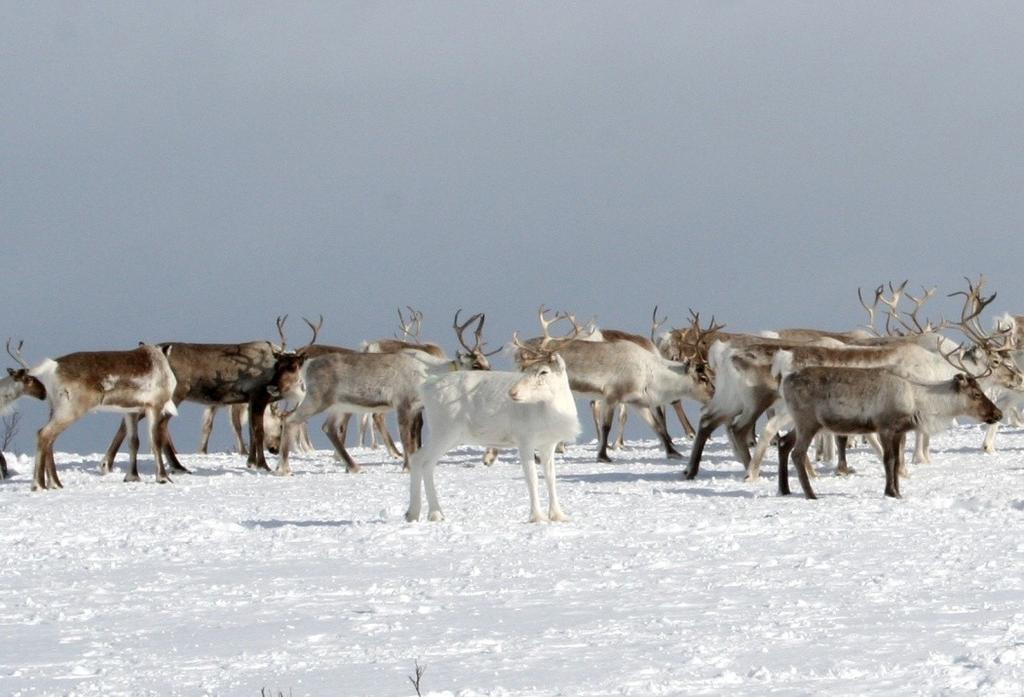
x: 228, y: 582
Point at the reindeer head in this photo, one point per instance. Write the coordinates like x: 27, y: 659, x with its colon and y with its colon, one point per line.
x: 542, y: 381
x: 287, y: 382
x: 22, y: 382
x: 474, y: 357
x: 978, y: 406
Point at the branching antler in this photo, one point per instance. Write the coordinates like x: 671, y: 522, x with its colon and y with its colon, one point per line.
x: 954, y: 358
x: 914, y: 326
x: 478, y: 342
x: 546, y: 323
x: 412, y: 328
x: 974, y: 305
x: 16, y: 354
x: 701, y: 339
x: 531, y: 353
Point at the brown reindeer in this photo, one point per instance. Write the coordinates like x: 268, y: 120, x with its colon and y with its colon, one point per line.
x: 867, y: 400
x: 225, y: 374
x: 130, y: 382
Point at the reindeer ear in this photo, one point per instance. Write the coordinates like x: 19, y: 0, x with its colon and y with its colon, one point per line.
x: 11, y: 372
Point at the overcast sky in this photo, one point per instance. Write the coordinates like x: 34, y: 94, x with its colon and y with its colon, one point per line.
x: 178, y: 171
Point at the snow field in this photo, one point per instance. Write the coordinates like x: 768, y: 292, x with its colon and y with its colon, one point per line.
x: 229, y: 581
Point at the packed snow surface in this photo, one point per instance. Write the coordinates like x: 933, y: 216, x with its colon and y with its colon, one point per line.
x: 228, y: 581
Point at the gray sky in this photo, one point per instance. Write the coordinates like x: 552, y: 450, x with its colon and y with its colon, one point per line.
x: 189, y: 171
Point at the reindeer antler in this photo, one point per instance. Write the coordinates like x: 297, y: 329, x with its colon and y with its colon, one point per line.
x: 16, y: 354
x: 315, y: 327
x: 656, y: 324
x: 916, y: 327
x: 281, y: 319
x: 953, y: 357
x: 974, y: 304
x: 411, y: 329
x: 874, y: 306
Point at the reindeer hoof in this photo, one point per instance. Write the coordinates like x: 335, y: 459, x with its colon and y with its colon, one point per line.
x: 435, y: 516
x: 845, y: 471
x: 603, y: 457
x: 557, y: 517
x: 180, y: 469
x: 131, y: 478
x: 163, y: 479
x: 674, y: 455
x: 538, y: 518
x: 281, y: 472
x: 356, y: 469
x: 411, y: 517
x: 689, y: 475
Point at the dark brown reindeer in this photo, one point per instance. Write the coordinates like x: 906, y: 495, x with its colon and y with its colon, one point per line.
x: 225, y: 374
x: 131, y: 382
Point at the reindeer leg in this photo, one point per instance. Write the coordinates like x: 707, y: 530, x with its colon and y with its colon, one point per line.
x: 406, y: 427
x: 44, y: 474
x: 157, y: 427
x: 385, y: 435
x: 843, y: 468
x: 206, y: 428
x: 170, y: 452
x: 547, y: 456
x: 237, y: 414
x: 683, y: 421
x: 708, y: 424
x: 620, y: 442
x: 107, y: 464
x: 257, y: 406
x: 802, y: 462
x: 131, y: 425
x: 606, y: 428
x: 334, y: 426
x: 786, y: 444
x: 890, y: 443
x: 655, y: 420
x: 51, y: 471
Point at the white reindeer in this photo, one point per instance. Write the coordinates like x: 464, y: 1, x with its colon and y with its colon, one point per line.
x: 532, y: 411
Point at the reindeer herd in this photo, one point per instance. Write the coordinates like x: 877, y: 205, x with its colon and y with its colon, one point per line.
x: 814, y: 385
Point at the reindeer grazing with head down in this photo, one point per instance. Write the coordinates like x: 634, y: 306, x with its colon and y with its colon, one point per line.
x: 131, y: 382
